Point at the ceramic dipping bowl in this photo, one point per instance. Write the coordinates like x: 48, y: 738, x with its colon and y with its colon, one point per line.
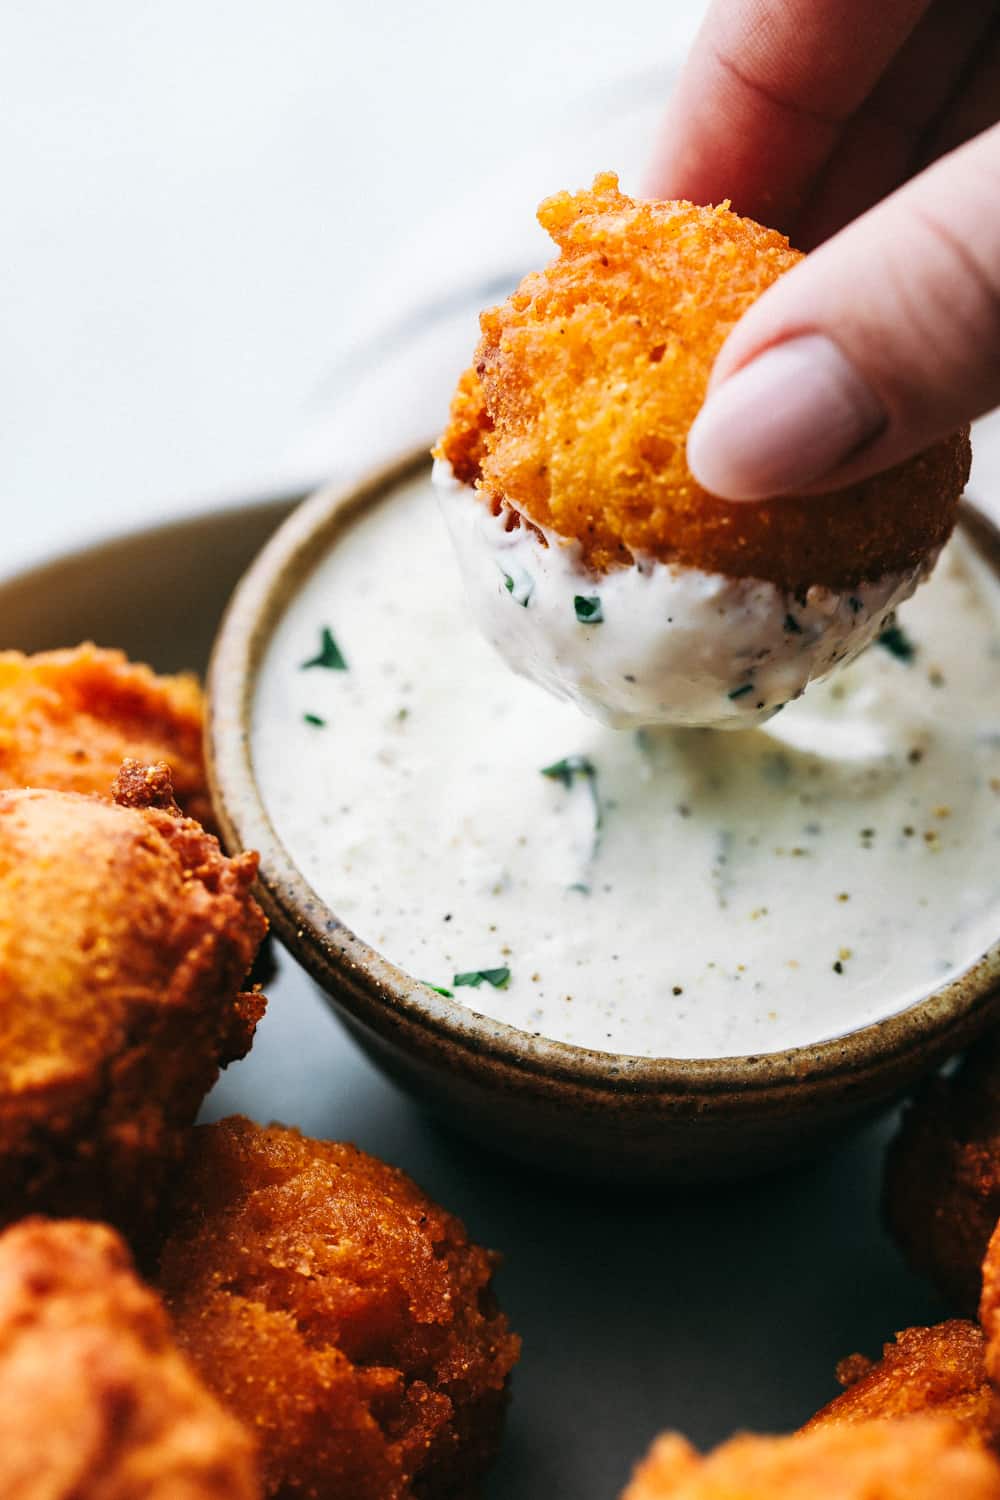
x: 558, y: 1106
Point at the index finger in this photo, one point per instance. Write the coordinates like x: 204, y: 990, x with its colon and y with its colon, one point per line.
x: 765, y: 94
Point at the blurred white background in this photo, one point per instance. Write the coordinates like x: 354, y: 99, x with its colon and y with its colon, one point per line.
x: 204, y: 204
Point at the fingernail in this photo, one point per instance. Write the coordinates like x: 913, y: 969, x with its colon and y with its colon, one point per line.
x: 791, y: 416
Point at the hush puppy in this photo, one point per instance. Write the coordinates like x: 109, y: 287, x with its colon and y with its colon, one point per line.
x: 576, y: 409
x: 937, y: 1371
x: 921, y: 1458
x: 989, y: 1306
x: 69, y: 718
x: 125, y: 936
x: 343, y: 1316
x: 594, y: 562
x: 97, y: 1402
x: 942, y: 1176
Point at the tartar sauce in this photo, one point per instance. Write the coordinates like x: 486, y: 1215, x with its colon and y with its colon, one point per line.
x: 658, y: 892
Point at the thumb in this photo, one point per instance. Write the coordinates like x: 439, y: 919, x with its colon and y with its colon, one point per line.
x: 881, y: 342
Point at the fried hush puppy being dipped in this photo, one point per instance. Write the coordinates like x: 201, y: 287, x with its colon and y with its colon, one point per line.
x: 593, y: 561
x: 340, y: 1313
x: 125, y: 936
x: 97, y: 1402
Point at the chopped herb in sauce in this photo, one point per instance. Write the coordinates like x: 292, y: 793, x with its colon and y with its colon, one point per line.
x: 792, y: 625
x: 898, y: 643
x: 314, y: 720
x: 520, y: 585
x: 438, y: 989
x: 329, y: 654
x: 740, y: 692
x: 498, y: 978
x: 588, y: 609
x: 566, y: 772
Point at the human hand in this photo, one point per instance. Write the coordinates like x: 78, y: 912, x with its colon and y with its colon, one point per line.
x: 867, y: 130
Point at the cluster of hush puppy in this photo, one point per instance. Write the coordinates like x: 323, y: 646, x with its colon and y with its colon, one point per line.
x: 319, y: 1327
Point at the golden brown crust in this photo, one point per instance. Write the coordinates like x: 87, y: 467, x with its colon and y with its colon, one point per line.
x: 97, y: 1402
x: 69, y: 718
x: 340, y: 1313
x: 937, y: 1371
x: 942, y: 1182
x: 989, y: 1306
x: 921, y: 1458
x: 587, y: 379
x: 464, y: 442
x: 125, y: 936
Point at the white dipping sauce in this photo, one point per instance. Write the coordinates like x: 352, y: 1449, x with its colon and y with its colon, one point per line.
x: 672, y: 644
x: 667, y: 892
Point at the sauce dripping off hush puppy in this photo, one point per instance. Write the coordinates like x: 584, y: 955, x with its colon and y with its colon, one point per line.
x: 594, y: 561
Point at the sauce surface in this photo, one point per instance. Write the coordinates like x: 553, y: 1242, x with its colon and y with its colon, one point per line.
x: 661, y: 892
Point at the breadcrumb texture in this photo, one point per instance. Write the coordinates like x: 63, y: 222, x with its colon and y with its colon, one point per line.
x: 69, y: 718
x: 340, y: 1313
x: 576, y: 410
x: 920, y: 1458
x: 125, y: 936
x: 942, y: 1179
x: 938, y: 1371
x: 98, y: 1404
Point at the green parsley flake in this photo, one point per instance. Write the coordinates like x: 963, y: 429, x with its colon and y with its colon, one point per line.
x: 566, y: 771
x: 438, y: 989
x: 314, y: 720
x: 747, y: 687
x: 519, y: 584
x: 498, y: 978
x: 329, y: 655
x: 588, y: 609
x: 896, y: 641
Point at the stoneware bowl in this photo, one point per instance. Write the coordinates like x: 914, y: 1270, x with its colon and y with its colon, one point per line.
x: 577, y: 1111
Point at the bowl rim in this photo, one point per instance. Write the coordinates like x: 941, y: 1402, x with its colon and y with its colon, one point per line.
x: 368, y: 984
